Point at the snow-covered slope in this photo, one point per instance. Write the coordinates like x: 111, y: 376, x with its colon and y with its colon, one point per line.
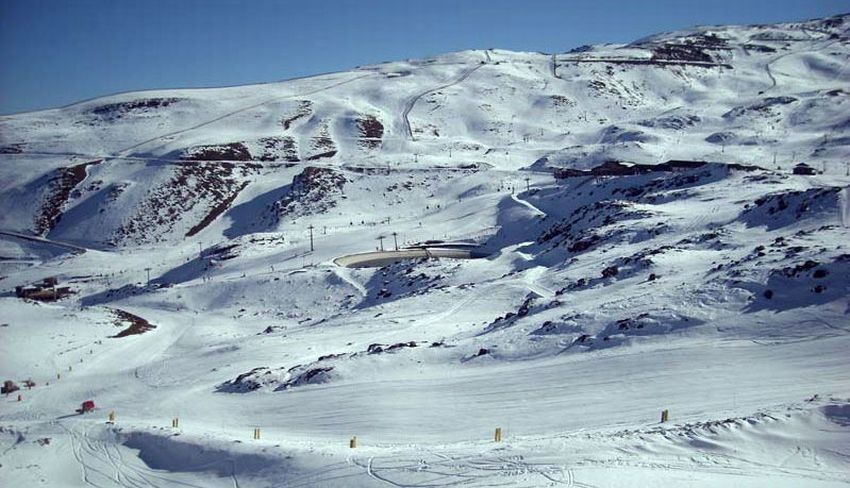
x: 641, y: 244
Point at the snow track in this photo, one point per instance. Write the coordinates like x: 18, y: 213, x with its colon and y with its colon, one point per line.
x: 435, y: 469
x: 770, y: 74
x: 43, y: 240
x: 103, y: 465
x: 412, y: 102
x: 345, y: 275
x: 537, y: 212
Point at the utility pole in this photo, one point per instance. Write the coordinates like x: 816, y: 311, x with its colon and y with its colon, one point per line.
x: 527, y: 186
x: 311, y: 237
x: 381, y: 239
x: 395, y: 240
x: 148, y: 270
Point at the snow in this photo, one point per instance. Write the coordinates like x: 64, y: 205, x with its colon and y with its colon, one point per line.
x: 718, y: 291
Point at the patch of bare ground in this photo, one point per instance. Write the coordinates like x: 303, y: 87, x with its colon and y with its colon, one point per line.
x: 371, y: 132
x: 328, y: 154
x: 312, y: 191
x: 694, y: 48
x: 305, y: 108
x: 59, y: 189
x: 234, y: 151
x: 137, y: 325
x: 322, y: 145
x: 278, y: 148
x: 208, y: 185
x: 113, y: 111
x: 216, y: 211
x: 12, y: 148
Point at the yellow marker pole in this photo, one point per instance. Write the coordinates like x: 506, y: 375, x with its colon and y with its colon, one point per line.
x: 112, y: 416
x: 665, y: 416
x: 498, y: 436
x: 353, y: 442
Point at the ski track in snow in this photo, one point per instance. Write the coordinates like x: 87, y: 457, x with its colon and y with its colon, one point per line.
x: 408, y: 107
x: 432, y: 469
x: 102, y: 464
x: 537, y: 212
x: 345, y: 275
x: 44, y: 240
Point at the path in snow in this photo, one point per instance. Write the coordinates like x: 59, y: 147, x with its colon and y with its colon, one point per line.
x: 412, y: 102
x: 43, y: 240
x: 531, y: 207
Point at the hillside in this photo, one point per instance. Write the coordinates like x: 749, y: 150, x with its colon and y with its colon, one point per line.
x: 621, y: 233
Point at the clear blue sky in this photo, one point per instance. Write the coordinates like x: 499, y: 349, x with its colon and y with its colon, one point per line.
x: 55, y: 52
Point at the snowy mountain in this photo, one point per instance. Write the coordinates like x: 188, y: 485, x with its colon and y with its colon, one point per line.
x: 584, y: 240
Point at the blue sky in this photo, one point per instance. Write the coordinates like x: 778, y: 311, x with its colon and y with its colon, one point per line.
x: 54, y: 52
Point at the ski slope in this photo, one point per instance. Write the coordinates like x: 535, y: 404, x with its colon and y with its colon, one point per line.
x: 248, y: 229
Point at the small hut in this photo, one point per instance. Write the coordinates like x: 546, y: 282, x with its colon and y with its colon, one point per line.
x: 804, y: 169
